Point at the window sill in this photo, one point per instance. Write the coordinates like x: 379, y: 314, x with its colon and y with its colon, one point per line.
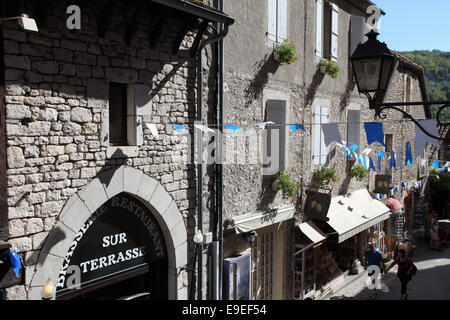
x: 122, y: 152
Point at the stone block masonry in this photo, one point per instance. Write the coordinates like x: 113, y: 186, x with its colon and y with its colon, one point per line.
x: 56, y: 99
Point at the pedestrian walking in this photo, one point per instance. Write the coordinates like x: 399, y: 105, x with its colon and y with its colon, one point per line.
x: 373, y: 257
x: 434, y: 229
x: 406, y: 269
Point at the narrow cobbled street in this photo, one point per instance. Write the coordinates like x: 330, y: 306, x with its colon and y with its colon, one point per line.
x: 431, y: 282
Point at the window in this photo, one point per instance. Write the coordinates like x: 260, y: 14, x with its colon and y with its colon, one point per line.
x: 321, y: 115
x: 118, y: 114
x: 319, y: 28
x: 334, y: 32
x: 408, y: 91
x: 354, y: 127
x: 130, y: 106
x: 277, y: 20
x: 275, y: 141
x: 389, y: 142
x: 262, y: 266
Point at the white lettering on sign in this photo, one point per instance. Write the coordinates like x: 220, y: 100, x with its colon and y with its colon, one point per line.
x: 114, y: 239
x: 106, y: 261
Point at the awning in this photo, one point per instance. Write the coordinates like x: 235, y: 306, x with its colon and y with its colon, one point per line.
x: 252, y: 221
x: 355, y: 212
x: 310, y: 230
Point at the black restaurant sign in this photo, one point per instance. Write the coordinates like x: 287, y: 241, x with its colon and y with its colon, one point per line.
x: 121, y: 235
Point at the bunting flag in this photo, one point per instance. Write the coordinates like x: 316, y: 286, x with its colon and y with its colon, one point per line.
x: 152, y: 128
x: 380, y: 157
x: 354, y: 147
x: 233, y: 128
x: 295, y: 127
x: 392, y: 163
x: 331, y: 133
x: 408, y: 157
x: 435, y: 164
x: 203, y: 128
x: 371, y: 165
x: 422, y: 139
x: 180, y: 127
x: 374, y: 132
x: 263, y: 125
x: 15, y: 262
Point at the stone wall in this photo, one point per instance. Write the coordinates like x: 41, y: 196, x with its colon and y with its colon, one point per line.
x: 56, y: 96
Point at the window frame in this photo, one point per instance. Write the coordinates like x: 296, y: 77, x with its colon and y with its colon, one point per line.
x: 277, y: 17
x: 317, y: 129
x: 123, y: 141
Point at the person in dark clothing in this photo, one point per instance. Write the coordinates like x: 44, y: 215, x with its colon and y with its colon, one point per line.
x: 405, y: 271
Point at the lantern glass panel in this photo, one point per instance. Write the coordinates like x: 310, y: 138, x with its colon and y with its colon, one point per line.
x: 367, y: 73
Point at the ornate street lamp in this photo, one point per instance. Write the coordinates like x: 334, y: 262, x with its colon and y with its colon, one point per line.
x: 373, y: 65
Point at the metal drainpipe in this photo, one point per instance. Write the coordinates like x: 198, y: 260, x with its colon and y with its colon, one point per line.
x: 220, y: 150
x: 222, y: 34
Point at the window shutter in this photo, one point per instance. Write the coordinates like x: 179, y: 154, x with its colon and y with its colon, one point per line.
x: 334, y: 31
x: 323, y: 148
x: 281, y: 20
x: 319, y: 28
x: 358, y: 31
x: 272, y: 20
x: 276, y: 134
x: 317, y: 133
x: 354, y: 127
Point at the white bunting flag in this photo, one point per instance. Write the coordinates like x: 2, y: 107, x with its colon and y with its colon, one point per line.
x: 152, y: 128
x: 203, y: 128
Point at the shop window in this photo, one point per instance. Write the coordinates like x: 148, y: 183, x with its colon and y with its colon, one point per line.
x: 277, y: 20
x: 262, y: 266
x: 275, y: 143
x: 321, y: 116
x: 130, y: 106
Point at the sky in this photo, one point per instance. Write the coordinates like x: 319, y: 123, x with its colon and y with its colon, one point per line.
x: 415, y: 24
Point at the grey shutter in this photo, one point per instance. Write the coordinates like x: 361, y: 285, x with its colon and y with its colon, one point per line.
x: 334, y: 31
x: 317, y: 133
x: 319, y: 28
x: 282, y: 20
x: 275, y: 158
x: 358, y: 31
x: 354, y: 127
x: 272, y: 19
x: 324, y: 114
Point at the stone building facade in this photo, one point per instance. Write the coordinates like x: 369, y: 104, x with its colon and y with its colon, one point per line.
x: 62, y: 168
x: 253, y: 78
x: 62, y: 164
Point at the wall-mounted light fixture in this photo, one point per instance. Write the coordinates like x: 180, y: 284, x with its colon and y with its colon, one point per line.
x: 26, y: 23
x: 373, y: 66
x: 48, y: 290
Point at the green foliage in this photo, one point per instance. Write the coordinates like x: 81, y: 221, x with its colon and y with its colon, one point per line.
x: 287, y: 186
x: 440, y: 181
x: 358, y: 172
x: 332, y: 68
x: 286, y: 52
x: 324, y: 175
x: 436, y: 66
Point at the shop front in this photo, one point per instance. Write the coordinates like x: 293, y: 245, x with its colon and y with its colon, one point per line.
x: 119, y: 253
x: 351, y: 219
x: 121, y: 237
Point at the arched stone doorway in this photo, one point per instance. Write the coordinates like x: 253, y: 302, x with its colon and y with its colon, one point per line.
x: 103, y: 194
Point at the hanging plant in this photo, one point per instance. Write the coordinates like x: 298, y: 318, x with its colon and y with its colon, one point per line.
x: 325, y: 176
x: 329, y: 67
x: 285, y: 52
x: 288, y: 187
x: 359, y: 172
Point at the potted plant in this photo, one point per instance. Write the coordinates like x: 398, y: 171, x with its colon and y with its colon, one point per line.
x: 329, y: 67
x: 358, y: 172
x: 288, y: 187
x: 324, y: 176
x: 285, y: 52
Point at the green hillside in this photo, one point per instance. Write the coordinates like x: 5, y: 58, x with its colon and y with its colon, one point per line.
x: 437, y: 73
